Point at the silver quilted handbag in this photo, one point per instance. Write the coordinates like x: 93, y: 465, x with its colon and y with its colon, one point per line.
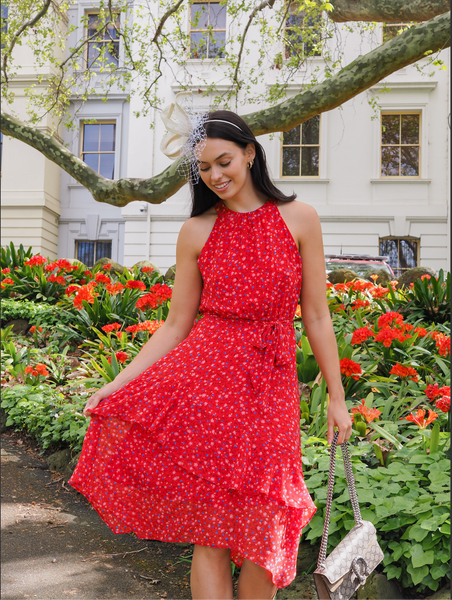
x: 339, y: 575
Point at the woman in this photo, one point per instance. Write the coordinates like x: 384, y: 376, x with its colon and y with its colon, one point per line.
x: 198, y: 440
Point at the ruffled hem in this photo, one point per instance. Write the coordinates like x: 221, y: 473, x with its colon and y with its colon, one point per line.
x: 157, y: 499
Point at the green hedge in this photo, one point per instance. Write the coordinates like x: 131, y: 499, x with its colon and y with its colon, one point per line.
x: 35, y: 313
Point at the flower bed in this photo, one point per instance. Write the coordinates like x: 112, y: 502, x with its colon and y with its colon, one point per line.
x: 394, y: 348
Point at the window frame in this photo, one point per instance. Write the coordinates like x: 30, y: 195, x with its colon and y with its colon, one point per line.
x: 393, y: 25
x: 300, y: 146
x: 419, y: 145
x: 95, y: 242
x: 398, y: 271
x: 86, y: 121
x: 106, y: 66
x: 285, y: 29
x: 204, y: 30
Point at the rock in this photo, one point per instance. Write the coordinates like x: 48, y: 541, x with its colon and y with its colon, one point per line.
x: 342, y: 276
x: 171, y: 273
x: 147, y: 263
x: 307, y: 557
x: 383, y: 277
x: 410, y: 275
x: 378, y: 587
x: 19, y: 325
x: 116, y: 267
x: 68, y: 471
x: 59, y: 460
x: 75, y: 261
x: 3, y: 419
x: 302, y: 587
x: 442, y: 594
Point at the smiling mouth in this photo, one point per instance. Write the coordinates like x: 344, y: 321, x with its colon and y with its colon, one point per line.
x: 222, y: 186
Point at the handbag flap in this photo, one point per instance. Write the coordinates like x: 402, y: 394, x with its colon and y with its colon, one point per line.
x: 361, y: 541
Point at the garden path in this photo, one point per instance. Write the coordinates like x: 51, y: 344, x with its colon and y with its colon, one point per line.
x: 55, y: 546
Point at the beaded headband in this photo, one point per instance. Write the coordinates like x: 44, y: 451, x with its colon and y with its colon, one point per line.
x: 186, y: 137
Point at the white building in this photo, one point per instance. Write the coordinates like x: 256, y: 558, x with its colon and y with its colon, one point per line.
x: 376, y: 193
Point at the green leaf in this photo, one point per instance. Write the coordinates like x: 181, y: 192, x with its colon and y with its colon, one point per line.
x: 417, y: 573
x: 420, y: 558
x: 416, y: 533
x: 393, y: 571
x: 445, y: 528
x: 438, y: 571
x: 434, y: 522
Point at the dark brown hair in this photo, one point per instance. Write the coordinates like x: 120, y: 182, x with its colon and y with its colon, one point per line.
x: 204, y: 198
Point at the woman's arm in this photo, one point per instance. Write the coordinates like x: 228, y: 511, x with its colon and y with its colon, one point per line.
x: 317, y: 321
x: 184, y: 308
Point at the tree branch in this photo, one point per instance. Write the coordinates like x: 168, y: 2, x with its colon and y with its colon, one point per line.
x: 163, y: 20
x: 19, y: 32
x: 405, y: 49
x: 365, y: 71
x: 388, y: 11
x: 261, y: 6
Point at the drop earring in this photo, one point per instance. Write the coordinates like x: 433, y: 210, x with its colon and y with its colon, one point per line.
x: 250, y: 164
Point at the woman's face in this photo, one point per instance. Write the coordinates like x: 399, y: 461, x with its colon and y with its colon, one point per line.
x: 223, y: 166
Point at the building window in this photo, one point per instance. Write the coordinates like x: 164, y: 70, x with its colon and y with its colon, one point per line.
x: 391, y: 30
x: 207, y: 30
x: 302, y: 32
x: 403, y: 253
x: 301, y: 150
x: 90, y: 252
x: 103, y: 45
x: 98, y: 147
x: 400, y: 144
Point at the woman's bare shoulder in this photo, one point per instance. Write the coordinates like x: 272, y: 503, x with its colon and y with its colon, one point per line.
x: 195, y: 231
x: 297, y: 210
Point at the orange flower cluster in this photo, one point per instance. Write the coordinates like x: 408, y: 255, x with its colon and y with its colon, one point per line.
x: 7, y: 281
x: 39, y: 369
x: 390, y: 318
x: 111, y: 327
x: 6, y: 270
x: 101, y: 278
x: 132, y: 284
x: 350, y: 368
x: 434, y: 391
x: 361, y: 335
x: 404, y: 372
x: 442, y: 343
x: 121, y: 357
x: 157, y: 295
x: 33, y: 329
x: 146, y: 269
x: 35, y: 261
x: 71, y: 289
x: 358, y: 303
x: 57, y: 279
x: 114, y: 288
x: 419, y: 418
x: 443, y: 404
x: 370, y: 414
x: 149, y: 326
x: 84, y: 293
x: 379, y: 292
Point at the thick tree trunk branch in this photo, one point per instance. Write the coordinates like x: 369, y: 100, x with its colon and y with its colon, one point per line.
x: 365, y: 71
x: 405, y: 49
x: 387, y: 11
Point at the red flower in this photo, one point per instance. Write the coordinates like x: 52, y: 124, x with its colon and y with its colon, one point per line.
x: 340, y: 287
x: 6, y: 270
x: 386, y: 336
x: 425, y: 277
x: 390, y: 318
x: 350, y: 368
x: 101, y: 278
x: 107, y: 267
x: 432, y: 391
x: 84, y: 293
x: 419, y: 418
x: 71, y: 289
x: 404, y: 372
x: 133, y: 284
x: 133, y: 329
x: 360, y: 303
x: 368, y: 413
x: 329, y: 285
x: 57, y: 279
x: 7, y: 281
x: 379, y: 292
x: 421, y: 332
x: 114, y: 288
x: 443, y: 344
x: 36, y: 261
x: 443, y: 404
x: 150, y: 326
x: 64, y: 264
x: 111, y: 327
x: 360, y: 285
x: 121, y: 357
x: 360, y: 335
x: 33, y: 329
x: 40, y: 369
x: 147, y: 269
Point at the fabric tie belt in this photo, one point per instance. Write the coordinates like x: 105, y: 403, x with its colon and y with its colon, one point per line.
x: 275, y: 341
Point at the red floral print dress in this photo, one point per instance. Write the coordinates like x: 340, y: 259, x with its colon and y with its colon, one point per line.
x: 204, y: 446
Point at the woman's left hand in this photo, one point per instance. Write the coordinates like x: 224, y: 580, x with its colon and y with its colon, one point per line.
x: 338, y: 416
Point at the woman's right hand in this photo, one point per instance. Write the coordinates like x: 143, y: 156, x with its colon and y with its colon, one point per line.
x: 96, y: 398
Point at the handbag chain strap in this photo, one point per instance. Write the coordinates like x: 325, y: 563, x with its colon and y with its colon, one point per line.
x: 329, y: 498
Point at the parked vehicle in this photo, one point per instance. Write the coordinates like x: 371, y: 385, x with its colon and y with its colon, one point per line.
x: 362, y: 264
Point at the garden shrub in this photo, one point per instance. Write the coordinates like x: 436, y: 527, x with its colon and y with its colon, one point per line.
x: 342, y: 276
x: 36, y: 313
x: 411, y: 275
